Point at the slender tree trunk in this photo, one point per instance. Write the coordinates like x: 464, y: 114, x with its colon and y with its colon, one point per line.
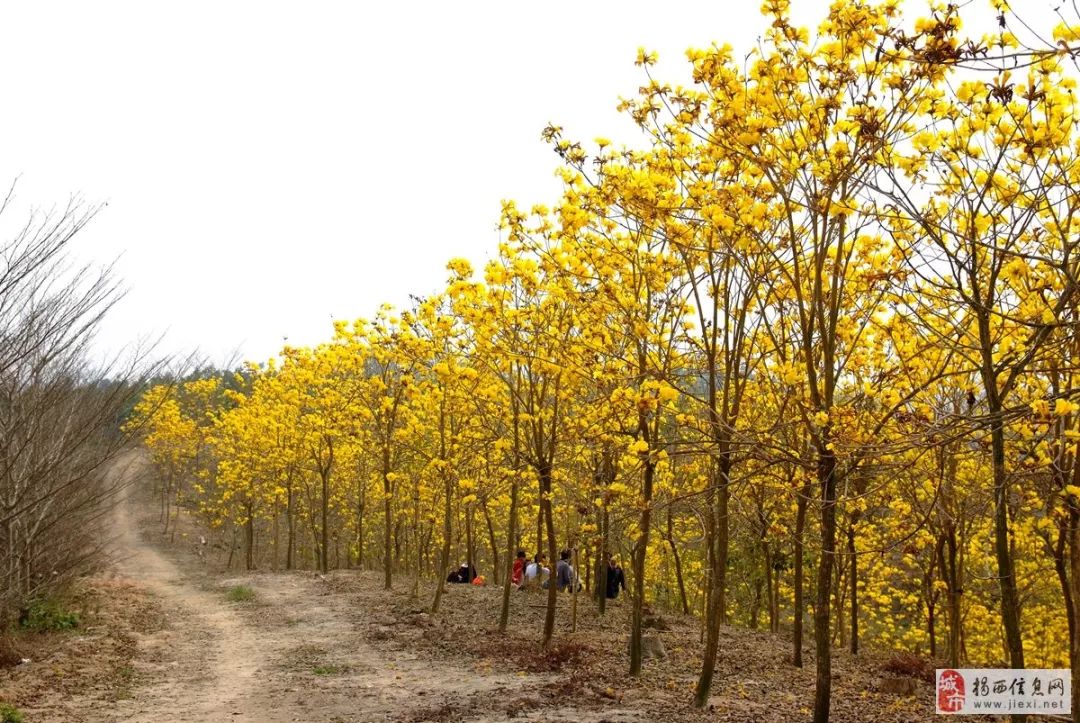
x: 470, y: 541
x: 549, y: 524
x: 511, y: 521
x: 387, y: 518
x: 601, y: 562
x: 574, y: 594
x: 640, y: 552
x: 398, y: 541
x: 415, y: 592
x: 723, y: 497
x: 678, y: 564
x: 496, y: 571
x: 249, y: 537
x: 290, y: 523
x: 799, y: 573
x: 511, y: 531
x: 360, y: 524
x: 822, y: 617
x: 163, y: 516
x: 324, y: 537
x: 755, y: 603
x: 1010, y: 605
x: 605, y: 475
x: 1062, y: 570
x: 1074, y: 581
x: 277, y: 536
x: 952, y: 583
x: 854, y: 590
x: 176, y: 518
x: 932, y: 595
x: 770, y: 585
x: 840, y: 575
x: 540, y: 529
x: 448, y: 522
x: 714, y: 595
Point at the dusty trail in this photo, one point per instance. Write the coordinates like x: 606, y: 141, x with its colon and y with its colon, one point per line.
x: 204, y: 668
x: 301, y: 651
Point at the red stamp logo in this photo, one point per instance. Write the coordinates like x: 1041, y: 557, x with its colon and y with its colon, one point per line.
x: 950, y: 692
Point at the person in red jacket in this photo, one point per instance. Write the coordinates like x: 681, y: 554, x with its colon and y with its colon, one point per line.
x: 518, y: 573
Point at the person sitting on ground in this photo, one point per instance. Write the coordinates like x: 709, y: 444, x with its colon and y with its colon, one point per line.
x: 564, y: 573
x: 536, y: 572
x: 517, y: 576
x: 464, y: 574
x: 615, y: 578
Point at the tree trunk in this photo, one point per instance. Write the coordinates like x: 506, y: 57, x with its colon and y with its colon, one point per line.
x: 770, y: 587
x: 952, y: 582
x: 799, y: 584
x: 249, y: 537
x: 511, y: 530
x: 470, y: 542
x: 277, y: 536
x: 822, y: 634
x: 1010, y: 605
x: 574, y: 594
x: 448, y: 522
x: 496, y: 571
x: 549, y: 524
x: 678, y: 565
x: 360, y: 524
x: 714, y: 595
x: 602, y: 562
x: 324, y: 537
x: 755, y: 603
x: 387, y: 518
x: 511, y: 522
x: 290, y: 523
x: 854, y: 590
x: 640, y: 551
x: 540, y: 529
x: 1074, y: 581
x: 419, y: 552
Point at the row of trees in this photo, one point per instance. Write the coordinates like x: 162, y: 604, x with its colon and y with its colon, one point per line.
x: 60, y: 409
x: 826, y: 318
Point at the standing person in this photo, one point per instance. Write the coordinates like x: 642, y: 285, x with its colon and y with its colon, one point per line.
x: 615, y: 578
x: 518, y: 574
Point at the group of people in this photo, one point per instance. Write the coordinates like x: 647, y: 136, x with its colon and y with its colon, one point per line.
x: 526, y: 574
x: 535, y: 573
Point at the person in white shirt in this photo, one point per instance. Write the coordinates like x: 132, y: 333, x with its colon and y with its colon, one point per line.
x: 536, y: 572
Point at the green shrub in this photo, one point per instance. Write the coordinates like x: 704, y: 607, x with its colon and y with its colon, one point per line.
x: 10, y: 714
x: 240, y: 593
x: 48, y: 615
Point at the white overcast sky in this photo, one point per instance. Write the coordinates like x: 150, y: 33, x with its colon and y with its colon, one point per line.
x: 269, y: 166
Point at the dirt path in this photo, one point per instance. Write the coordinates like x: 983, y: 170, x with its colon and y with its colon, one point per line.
x: 205, y: 665
x: 301, y: 650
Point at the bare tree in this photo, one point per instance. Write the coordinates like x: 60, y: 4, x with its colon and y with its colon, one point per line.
x: 60, y: 412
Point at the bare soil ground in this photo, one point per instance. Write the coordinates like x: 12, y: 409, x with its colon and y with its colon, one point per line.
x: 161, y: 641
